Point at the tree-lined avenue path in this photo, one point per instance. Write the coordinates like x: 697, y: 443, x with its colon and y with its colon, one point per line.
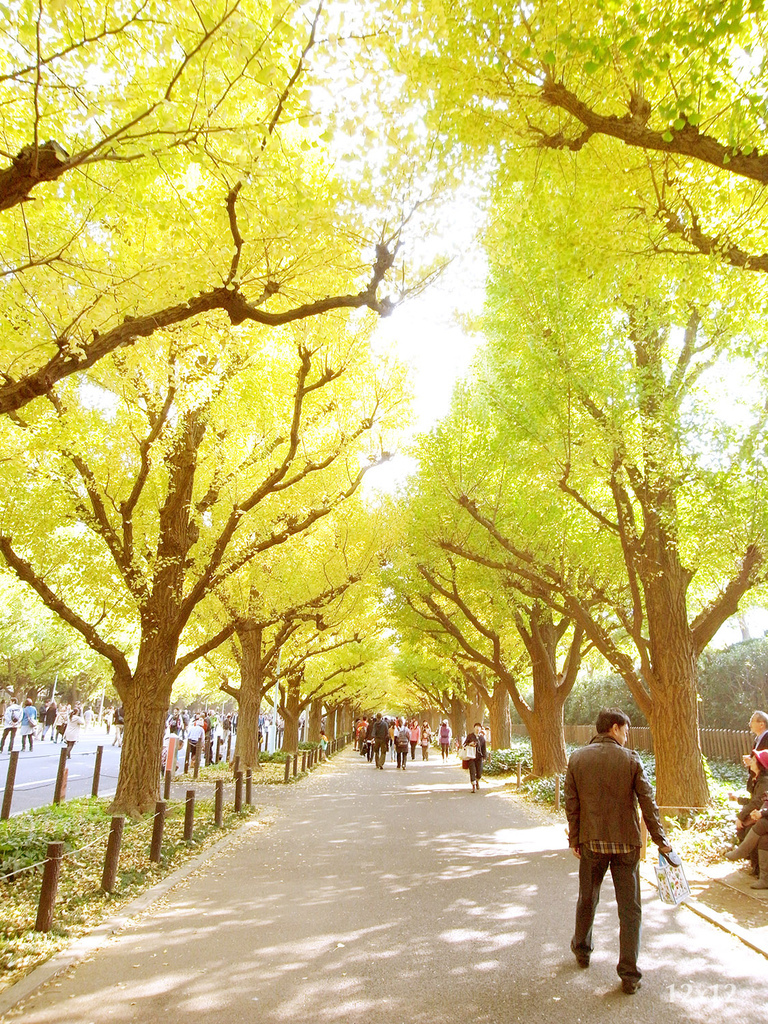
x: 401, y: 897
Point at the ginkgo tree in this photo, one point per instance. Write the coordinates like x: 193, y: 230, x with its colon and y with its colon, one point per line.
x: 633, y: 502
x: 132, y: 499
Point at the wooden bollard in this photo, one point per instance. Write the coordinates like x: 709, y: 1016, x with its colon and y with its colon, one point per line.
x: 238, y: 792
x: 10, y: 780
x: 189, y: 815
x: 218, y: 805
x: 113, y: 854
x: 51, y: 872
x: 303, y: 760
x: 287, y: 768
x: 186, y: 758
x: 167, y: 785
x: 519, y: 773
x: 157, y: 831
x: 229, y: 746
x: 249, y: 787
x: 219, y: 743
x: 198, y: 754
x: 236, y: 764
x: 60, y: 789
x: 557, y: 792
x: 295, y: 765
x: 97, y: 770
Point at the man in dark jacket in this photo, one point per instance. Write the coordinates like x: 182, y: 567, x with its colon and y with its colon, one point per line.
x: 380, y: 740
x: 603, y: 786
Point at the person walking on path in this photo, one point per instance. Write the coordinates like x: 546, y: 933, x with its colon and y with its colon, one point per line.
x: 11, y: 722
x: 49, y: 720
x: 28, y: 724
x: 426, y: 739
x: 603, y: 786
x: 380, y: 740
x: 445, y: 738
x: 118, y: 720
x: 402, y: 743
x: 475, y: 739
x: 72, y: 732
x: 415, y: 736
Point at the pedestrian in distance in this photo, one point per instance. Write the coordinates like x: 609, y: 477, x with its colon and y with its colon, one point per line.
x: 28, y: 724
x: 426, y: 739
x: 402, y: 743
x: 49, y: 719
x: 11, y: 723
x: 415, y: 736
x: 475, y: 740
x: 118, y: 722
x: 444, y: 736
x: 603, y: 786
x: 75, y: 722
x: 380, y: 740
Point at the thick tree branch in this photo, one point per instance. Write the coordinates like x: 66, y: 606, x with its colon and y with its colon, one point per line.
x: 631, y: 129
x: 711, y: 618
x: 25, y: 571
x: 69, y: 358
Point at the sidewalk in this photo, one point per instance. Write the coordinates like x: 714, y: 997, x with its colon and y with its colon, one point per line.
x: 398, y: 896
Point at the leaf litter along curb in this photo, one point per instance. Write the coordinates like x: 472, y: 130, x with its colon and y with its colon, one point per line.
x: 83, y: 826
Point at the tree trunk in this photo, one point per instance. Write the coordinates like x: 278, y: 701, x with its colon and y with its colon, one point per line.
x: 673, y: 718
x: 138, y: 784
x: 290, y: 711
x: 314, y: 719
x: 457, y: 716
x: 251, y: 694
x: 500, y: 721
x: 545, y: 728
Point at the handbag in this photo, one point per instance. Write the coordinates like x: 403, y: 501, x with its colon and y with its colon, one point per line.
x: 671, y: 880
x: 466, y: 753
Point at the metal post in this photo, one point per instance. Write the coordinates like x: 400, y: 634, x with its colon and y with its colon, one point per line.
x: 295, y: 765
x: 238, y: 792
x: 218, y: 812
x: 51, y: 873
x: 60, y: 790
x: 157, y: 831
x: 113, y: 854
x: 189, y: 815
x: 249, y: 787
x: 97, y: 770
x: 10, y: 779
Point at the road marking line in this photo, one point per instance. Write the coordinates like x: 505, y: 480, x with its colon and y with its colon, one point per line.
x: 40, y: 782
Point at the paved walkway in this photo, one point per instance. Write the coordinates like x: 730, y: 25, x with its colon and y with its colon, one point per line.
x: 401, y: 897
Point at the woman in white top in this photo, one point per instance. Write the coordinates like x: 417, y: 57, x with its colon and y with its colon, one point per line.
x: 72, y: 731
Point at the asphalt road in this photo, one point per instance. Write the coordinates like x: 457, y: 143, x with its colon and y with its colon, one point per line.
x: 398, y: 897
x: 36, y: 770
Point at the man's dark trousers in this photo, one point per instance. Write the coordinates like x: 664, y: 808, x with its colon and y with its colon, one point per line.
x: 380, y: 747
x: 626, y: 881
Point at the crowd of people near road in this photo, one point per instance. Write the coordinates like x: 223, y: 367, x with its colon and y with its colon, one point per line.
x: 62, y: 723
x: 379, y: 736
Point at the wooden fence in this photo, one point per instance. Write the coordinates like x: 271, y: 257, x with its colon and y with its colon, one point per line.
x: 724, y: 744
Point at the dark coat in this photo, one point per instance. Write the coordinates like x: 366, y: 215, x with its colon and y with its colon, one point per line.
x: 603, y: 786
